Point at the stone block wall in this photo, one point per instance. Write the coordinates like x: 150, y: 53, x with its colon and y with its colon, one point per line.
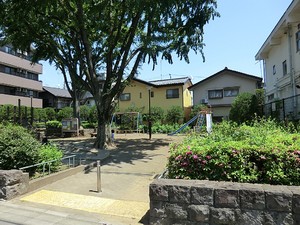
x: 13, y: 183
x: 192, y: 202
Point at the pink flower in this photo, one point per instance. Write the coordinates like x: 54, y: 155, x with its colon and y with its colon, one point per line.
x: 195, y: 157
x: 204, y: 162
x: 178, y: 158
x: 189, y: 153
x: 297, y: 152
x: 189, y: 147
x: 208, y: 157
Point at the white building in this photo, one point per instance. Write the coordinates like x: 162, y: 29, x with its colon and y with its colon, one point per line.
x: 280, y: 54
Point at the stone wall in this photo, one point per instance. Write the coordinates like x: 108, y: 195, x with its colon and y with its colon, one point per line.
x: 192, y: 202
x: 13, y: 183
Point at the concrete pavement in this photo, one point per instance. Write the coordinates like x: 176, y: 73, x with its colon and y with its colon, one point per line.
x: 125, y: 177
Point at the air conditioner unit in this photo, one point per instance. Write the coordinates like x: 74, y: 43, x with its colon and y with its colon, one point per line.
x: 204, y: 101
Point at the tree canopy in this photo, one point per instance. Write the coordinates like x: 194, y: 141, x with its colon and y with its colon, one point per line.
x: 102, y: 43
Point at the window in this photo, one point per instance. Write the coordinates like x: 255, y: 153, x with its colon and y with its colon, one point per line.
x: 274, y: 70
x: 270, y: 97
x: 284, y: 68
x: 140, y: 94
x: 231, y: 92
x: 152, y: 94
x: 298, y: 39
x: 173, y: 93
x: 125, y: 97
x: 215, y: 94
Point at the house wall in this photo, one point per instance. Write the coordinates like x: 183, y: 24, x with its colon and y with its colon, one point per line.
x: 221, y: 106
x: 139, y: 97
x: 25, y: 101
x: 279, y: 84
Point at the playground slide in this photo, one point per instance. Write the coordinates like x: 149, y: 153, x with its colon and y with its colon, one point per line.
x: 185, y: 125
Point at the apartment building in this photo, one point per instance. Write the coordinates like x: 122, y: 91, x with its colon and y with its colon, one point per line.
x: 19, y: 79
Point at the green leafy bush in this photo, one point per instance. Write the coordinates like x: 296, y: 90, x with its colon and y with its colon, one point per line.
x: 18, y: 148
x: 261, y: 153
x: 48, y: 153
x: 53, y: 124
x: 174, y: 115
x: 244, y: 108
x: 64, y: 113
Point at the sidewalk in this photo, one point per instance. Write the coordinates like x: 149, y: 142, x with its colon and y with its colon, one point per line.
x: 125, y: 178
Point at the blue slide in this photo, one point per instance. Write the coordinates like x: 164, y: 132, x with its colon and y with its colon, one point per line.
x: 185, y: 125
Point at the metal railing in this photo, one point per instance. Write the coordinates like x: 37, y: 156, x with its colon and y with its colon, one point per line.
x: 286, y: 108
x: 71, y: 163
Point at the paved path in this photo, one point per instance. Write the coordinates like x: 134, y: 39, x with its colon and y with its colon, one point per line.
x: 125, y: 177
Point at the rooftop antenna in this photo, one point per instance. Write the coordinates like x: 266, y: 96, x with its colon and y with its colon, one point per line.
x: 170, y: 76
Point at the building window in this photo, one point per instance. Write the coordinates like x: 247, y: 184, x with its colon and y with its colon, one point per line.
x: 274, y: 70
x: 152, y: 94
x: 140, y: 94
x: 215, y: 94
x: 231, y: 92
x: 270, y: 97
x: 284, y: 68
x: 125, y: 97
x: 298, y: 39
x: 173, y: 93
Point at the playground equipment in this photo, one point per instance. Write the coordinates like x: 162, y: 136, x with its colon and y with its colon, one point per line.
x: 200, y: 120
x: 126, y: 122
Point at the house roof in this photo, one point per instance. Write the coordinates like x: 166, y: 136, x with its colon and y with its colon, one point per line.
x: 226, y: 70
x: 165, y: 82
x: 290, y: 16
x: 175, y: 81
x: 58, y: 92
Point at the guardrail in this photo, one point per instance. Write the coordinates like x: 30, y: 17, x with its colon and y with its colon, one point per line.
x: 71, y: 163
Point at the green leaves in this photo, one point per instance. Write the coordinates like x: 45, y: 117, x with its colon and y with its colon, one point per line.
x: 261, y: 153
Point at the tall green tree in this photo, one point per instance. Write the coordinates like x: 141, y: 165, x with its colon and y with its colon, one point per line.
x: 86, y: 38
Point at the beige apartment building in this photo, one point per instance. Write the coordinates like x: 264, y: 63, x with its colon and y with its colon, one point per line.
x: 19, y: 79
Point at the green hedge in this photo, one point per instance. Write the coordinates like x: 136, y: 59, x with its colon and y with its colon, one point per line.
x: 18, y: 148
x: 261, y: 153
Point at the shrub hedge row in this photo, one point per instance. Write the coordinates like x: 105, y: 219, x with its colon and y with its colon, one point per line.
x: 261, y: 153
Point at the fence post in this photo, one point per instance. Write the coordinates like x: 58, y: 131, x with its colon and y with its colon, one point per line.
x: 283, y: 109
x: 98, y: 176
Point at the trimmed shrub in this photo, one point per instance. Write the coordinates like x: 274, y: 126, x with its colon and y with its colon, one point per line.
x: 65, y: 113
x: 261, y: 153
x: 18, y: 148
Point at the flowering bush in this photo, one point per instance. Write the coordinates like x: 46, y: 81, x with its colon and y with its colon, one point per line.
x: 261, y: 153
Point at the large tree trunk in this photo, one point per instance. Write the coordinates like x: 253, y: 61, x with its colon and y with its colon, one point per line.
x: 103, y: 130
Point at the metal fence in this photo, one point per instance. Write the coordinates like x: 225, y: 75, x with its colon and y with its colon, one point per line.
x: 284, y: 109
x: 46, y: 166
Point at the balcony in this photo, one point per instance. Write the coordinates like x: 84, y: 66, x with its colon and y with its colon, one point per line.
x: 15, y: 81
x: 18, y: 62
x: 25, y: 101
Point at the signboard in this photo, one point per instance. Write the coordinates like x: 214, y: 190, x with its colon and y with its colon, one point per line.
x: 70, y: 125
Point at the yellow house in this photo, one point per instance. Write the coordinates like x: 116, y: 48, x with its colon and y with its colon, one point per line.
x: 159, y: 93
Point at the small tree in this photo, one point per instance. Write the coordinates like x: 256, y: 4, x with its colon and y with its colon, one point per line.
x: 66, y: 112
x: 243, y: 108
x: 50, y: 113
x: 84, y: 112
x: 174, y: 114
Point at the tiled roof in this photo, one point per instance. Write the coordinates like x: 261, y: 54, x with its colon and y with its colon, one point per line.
x: 58, y: 92
x: 174, y: 81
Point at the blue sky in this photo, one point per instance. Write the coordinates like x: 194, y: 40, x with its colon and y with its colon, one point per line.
x: 231, y: 40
